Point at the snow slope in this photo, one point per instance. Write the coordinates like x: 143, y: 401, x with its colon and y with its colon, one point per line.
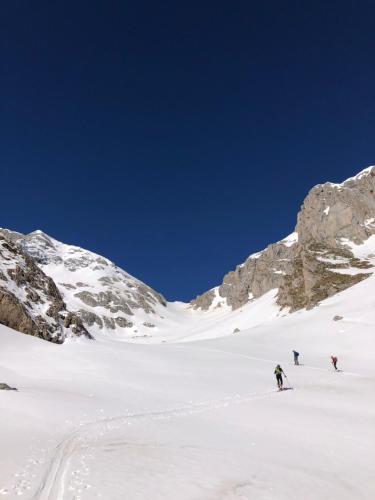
x: 199, y: 419
x: 107, y: 298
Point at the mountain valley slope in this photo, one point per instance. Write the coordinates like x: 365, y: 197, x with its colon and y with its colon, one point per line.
x: 315, y: 262
x: 191, y: 411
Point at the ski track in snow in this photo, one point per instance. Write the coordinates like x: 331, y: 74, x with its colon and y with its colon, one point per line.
x: 55, y: 481
x: 272, y: 361
x: 53, y: 485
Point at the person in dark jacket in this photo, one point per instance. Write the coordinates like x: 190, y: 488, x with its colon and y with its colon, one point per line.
x: 279, y: 376
x: 296, y: 354
x: 334, y: 362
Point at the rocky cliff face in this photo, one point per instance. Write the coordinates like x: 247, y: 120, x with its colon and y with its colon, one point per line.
x: 102, y: 295
x: 316, y: 261
x: 332, y: 212
x: 260, y: 273
x: 30, y: 302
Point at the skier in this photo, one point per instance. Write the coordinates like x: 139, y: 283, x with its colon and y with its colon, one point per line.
x: 279, y: 377
x: 296, y: 354
x: 334, y: 362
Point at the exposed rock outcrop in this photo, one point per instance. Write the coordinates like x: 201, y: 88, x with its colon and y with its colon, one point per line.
x: 331, y: 212
x: 260, y: 273
x: 318, y: 272
x: 6, y: 387
x: 30, y: 302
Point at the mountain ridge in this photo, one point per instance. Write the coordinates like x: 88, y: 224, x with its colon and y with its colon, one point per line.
x: 88, y: 295
x: 329, y: 213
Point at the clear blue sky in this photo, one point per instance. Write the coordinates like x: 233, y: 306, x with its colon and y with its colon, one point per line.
x: 176, y: 138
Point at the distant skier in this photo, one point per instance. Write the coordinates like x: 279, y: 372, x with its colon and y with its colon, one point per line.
x: 334, y: 362
x: 296, y: 354
x: 279, y: 376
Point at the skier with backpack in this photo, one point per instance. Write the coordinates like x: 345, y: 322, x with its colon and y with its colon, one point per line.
x: 279, y: 377
x: 334, y: 361
x: 296, y: 354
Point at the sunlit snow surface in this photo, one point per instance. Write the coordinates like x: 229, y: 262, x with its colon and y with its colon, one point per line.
x: 290, y: 240
x: 196, y: 416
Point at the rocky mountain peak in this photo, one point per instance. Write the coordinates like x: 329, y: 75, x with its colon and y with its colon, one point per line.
x: 333, y: 211
x: 316, y: 261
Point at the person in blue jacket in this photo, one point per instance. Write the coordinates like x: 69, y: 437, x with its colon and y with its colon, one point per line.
x: 296, y: 354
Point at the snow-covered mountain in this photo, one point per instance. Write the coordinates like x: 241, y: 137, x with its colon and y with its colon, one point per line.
x: 105, y: 297
x: 320, y: 258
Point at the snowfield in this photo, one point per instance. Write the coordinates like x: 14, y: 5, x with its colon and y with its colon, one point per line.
x: 193, y: 413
